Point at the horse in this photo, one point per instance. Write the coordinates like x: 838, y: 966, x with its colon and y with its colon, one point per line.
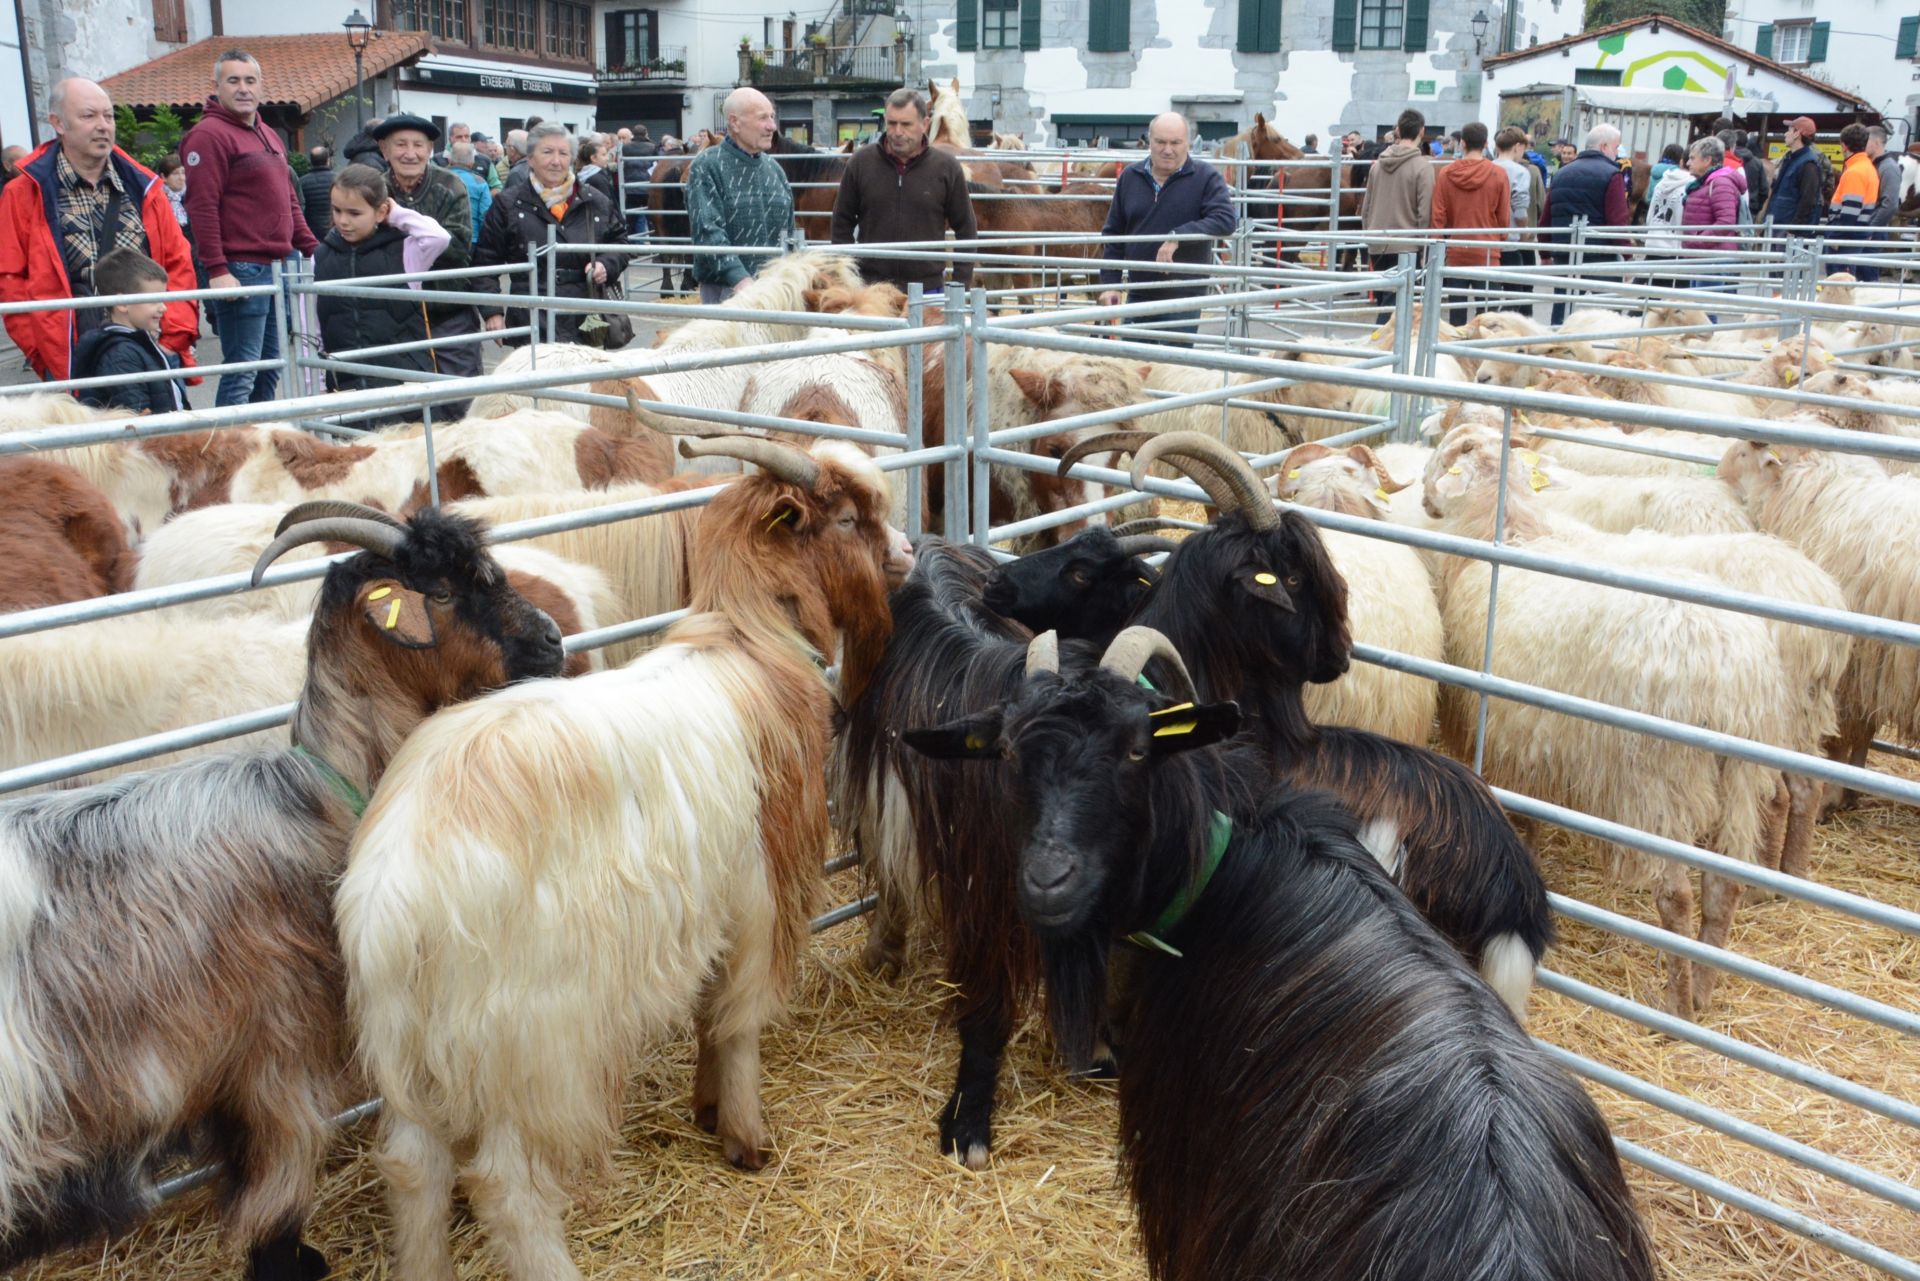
x: 812, y: 205
x: 1264, y: 141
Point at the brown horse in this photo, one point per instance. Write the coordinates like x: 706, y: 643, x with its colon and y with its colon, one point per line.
x: 1264, y: 141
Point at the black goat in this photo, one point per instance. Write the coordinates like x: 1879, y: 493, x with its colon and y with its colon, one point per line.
x: 1314, y: 1086
x: 1255, y: 604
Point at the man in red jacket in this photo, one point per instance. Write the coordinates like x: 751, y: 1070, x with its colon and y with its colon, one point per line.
x: 74, y: 200
x: 246, y: 217
x: 1471, y: 193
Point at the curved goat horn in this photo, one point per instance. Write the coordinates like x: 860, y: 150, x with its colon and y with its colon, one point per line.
x: 327, y: 508
x: 1146, y: 544
x: 1222, y: 473
x: 1121, y: 442
x: 1146, y: 524
x: 372, y: 535
x: 1127, y: 657
x: 789, y: 464
x: 1043, y: 654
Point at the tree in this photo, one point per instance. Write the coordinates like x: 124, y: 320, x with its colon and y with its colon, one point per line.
x: 151, y: 140
x: 1707, y: 15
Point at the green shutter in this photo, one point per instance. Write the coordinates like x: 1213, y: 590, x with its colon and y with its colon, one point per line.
x: 1269, y: 26
x: 1909, y: 40
x: 1762, y: 44
x: 1818, y: 53
x: 1248, y: 40
x: 1346, y: 22
x: 966, y: 25
x: 1416, y: 27
x: 1029, y: 24
x: 1108, y: 26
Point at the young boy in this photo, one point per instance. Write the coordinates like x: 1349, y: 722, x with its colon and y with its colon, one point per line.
x: 129, y: 343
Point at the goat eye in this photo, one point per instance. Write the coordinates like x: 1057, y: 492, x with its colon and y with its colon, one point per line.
x: 848, y: 522
x: 444, y: 596
x: 1078, y: 577
x: 1292, y: 582
x: 1137, y: 755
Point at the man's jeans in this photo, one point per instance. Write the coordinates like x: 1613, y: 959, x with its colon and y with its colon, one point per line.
x: 247, y: 332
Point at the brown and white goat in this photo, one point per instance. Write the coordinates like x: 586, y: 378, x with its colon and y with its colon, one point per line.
x: 60, y: 539
x: 167, y: 964
x: 551, y: 882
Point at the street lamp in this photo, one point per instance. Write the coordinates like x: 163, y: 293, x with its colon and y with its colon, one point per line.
x: 1479, y: 22
x: 359, y: 32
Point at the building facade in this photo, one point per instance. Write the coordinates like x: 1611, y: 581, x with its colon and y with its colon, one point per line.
x: 1864, y: 47
x: 1079, y: 71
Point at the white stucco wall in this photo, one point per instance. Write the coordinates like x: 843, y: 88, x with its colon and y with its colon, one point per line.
x: 1860, y: 45
x: 279, y: 18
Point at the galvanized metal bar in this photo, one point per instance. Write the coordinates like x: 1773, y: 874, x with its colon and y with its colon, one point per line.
x: 916, y: 408
x: 981, y: 422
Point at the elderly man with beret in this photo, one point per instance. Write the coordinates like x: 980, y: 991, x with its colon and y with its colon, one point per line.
x: 406, y: 144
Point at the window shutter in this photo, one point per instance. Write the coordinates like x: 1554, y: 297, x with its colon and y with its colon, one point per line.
x: 1818, y: 53
x: 1909, y: 38
x: 1029, y: 24
x: 653, y: 34
x: 1248, y: 40
x: 1270, y: 26
x: 1108, y: 26
x: 1415, y: 27
x: 966, y: 25
x: 1762, y: 44
x: 1346, y: 21
x: 616, y: 51
x: 170, y: 21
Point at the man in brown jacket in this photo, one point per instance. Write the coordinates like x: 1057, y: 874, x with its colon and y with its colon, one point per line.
x: 1473, y: 191
x: 1399, y: 194
x: 899, y: 189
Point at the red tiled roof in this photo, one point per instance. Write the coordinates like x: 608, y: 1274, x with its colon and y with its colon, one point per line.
x: 303, y: 71
x: 1496, y: 61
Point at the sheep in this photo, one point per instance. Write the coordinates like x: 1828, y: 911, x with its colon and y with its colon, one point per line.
x: 1814, y: 659
x: 1687, y: 663
x: 1863, y: 527
x: 1495, y: 371
x: 1871, y: 397
x: 1390, y: 600
x: 113, y: 679
x: 1253, y: 431
x: 1257, y: 603
x: 554, y: 879
x: 167, y: 964
x: 1642, y: 391
x: 60, y: 539
x: 1313, y: 1084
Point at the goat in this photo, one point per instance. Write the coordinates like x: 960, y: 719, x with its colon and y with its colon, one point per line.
x: 60, y: 539
x: 1314, y: 1085
x: 1256, y: 602
x: 167, y: 965
x: 551, y: 881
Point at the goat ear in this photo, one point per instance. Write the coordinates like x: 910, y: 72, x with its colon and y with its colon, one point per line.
x: 972, y: 738
x: 1185, y: 726
x: 1036, y: 387
x: 398, y: 614
x: 1265, y: 585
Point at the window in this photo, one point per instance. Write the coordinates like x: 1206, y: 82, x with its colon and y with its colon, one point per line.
x: 1792, y: 43
x: 1108, y: 26
x: 170, y: 21
x: 1259, y: 27
x: 1000, y: 24
x: 567, y: 28
x: 1380, y: 23
x: 633, y: 38
x: 443, y: 19
x: 507, y: 24
x: 1596, y: 76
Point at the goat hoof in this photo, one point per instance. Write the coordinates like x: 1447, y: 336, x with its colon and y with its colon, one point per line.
x: 745, y: 1154
x: 1104, y: 1068
x: 883, y: 961
x: 707, y: 1116
x: 967, y: 1139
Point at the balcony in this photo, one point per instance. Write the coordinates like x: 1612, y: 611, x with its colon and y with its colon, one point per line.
x: 830, y: 66
x: 670, y: 68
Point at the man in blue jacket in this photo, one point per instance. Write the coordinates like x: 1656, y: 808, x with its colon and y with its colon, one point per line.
x: 1167, y: 194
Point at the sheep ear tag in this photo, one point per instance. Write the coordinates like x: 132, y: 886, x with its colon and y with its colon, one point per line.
x: 1266, y: 585
x: 784, y: 514
x: 973, y: 738
x: 398, y: 614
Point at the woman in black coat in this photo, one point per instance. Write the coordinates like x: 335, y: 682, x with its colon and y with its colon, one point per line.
x: 548, y: 196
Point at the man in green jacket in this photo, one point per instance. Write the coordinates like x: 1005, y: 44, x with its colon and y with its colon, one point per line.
x: 899, y: 189
x: 737, y: 196
x: 406, y: 144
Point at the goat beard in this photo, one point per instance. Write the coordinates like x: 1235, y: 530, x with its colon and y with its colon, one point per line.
x: 1076, y: 974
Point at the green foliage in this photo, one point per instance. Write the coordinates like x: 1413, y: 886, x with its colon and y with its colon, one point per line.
x: 151, y: 139
x: 298, y: 162
x: 1707, y: 15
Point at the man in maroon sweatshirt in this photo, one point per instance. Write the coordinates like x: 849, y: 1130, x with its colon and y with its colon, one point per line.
x: 246, y: 216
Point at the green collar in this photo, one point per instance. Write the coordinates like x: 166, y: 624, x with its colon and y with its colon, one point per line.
x: 1219, y: 836
x: 337, y: 781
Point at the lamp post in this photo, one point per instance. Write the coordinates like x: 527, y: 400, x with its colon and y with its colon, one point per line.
x: 359, y: 32
x: 902, y: 43
x: 1479, y: 22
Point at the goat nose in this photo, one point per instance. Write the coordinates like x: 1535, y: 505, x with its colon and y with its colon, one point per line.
x: 1050, y: 874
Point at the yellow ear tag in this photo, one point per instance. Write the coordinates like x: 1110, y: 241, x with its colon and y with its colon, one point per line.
x: 1144, y: 582
x: 1789, y: 375
x: 393, y: 614
x: 1181, y: 727
x: 1528, y: 456
x: 1381, y: 494
x: 784, y: 514
x: 380, y: 593
x: 1293, y: 474
x: 975, y: 742
x: 1265, y: 579
x: 1168, y: 711
x: 1537, y: 479
x: 1772, y: 457
x: 1453, y: 471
